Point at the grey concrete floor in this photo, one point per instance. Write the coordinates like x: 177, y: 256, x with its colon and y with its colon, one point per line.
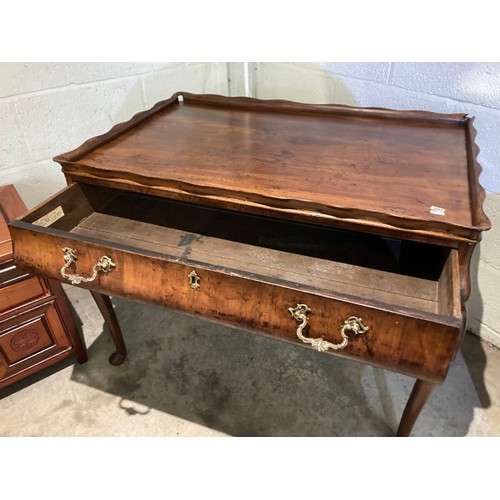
x: 188, y: 377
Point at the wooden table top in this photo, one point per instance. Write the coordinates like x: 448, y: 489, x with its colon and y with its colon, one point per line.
x: 414, y: 170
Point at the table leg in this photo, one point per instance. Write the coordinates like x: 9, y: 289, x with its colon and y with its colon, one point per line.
x: 418, y: 397
x: 104, y: 304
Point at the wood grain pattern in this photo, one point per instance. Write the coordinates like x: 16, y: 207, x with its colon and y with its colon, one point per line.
x: 11, y: 207
x: 21, y: 292
x: 106, y: 308
x: 418, y: 397
x: 477, y: 193
x: 411, y: 342
x: 319, y: 274
x: 379, y: 166
x: 313, y: 256
x: 328, y: 260
x: 412, y: 232
x: 448, y: 288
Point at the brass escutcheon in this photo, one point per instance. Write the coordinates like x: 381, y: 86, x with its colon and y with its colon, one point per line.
x: 194, y: 280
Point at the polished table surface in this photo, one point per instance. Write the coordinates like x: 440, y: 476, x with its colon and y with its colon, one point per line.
x: 382, y: 166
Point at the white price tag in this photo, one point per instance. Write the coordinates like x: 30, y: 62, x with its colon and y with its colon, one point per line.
x: 437, y: 211
x: 50, y: 218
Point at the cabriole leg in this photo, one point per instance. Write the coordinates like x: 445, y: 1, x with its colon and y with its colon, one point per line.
x: 418, y: 397
x: 104, y: 304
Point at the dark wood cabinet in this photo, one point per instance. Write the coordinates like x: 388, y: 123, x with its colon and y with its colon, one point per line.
x: 36, y: 325
x: 345, y: 230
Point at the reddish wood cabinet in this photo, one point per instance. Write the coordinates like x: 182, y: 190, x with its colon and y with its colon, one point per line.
x: 36, y: 325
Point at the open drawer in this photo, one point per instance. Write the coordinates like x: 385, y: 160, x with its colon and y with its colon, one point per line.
x: 392, y: 303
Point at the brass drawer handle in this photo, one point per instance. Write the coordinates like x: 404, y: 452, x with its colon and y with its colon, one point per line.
x: 353, y: 323
x: 105, y: 265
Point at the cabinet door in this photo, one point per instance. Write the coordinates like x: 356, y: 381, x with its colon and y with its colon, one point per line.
x: 31, y: 341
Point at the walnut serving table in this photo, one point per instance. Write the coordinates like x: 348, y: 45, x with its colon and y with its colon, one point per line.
x: 345, y: 230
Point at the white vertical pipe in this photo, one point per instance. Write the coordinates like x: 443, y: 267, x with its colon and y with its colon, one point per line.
x: 246, y: 79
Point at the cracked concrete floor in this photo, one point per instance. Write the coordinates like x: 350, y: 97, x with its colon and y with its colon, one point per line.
x: 188, y: 377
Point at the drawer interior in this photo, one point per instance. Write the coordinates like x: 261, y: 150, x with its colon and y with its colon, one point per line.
x: 334, y: 262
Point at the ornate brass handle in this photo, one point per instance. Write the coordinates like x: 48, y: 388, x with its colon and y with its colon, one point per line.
x: 105, y: 265
x: 353, y: 323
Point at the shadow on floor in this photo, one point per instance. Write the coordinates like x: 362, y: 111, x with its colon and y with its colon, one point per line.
x: 472, y: 347
x: 36, y: 377
x: 247, y: 385
x: 475, y: 358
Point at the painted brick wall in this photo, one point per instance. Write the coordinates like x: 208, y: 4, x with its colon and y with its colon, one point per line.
x: 472, y: 88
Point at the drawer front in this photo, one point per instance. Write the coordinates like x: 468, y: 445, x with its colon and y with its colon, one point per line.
x: 21, y: 292
x: 9, y: 274
x: 395, y: 340
x: 5, y: 251
x: 31, y: 341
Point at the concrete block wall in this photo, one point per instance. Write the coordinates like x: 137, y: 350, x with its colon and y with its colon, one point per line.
x: 50, y: 108
x: 472, y: 88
